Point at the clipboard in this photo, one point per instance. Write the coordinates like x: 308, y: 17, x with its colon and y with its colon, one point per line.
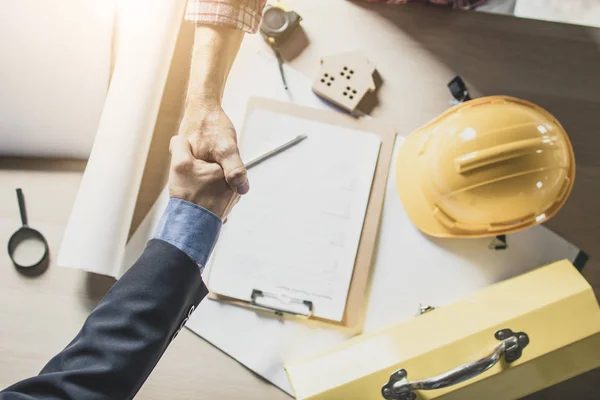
x: 355, y: 303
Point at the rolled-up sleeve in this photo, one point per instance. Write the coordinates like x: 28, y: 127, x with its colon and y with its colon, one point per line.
x: 240, y: 14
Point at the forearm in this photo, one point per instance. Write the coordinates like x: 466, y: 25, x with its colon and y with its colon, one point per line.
x: 215, y: 49
x: 220, y: 27
x: 209, y: 130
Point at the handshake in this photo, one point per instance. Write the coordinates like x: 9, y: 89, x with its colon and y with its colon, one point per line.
x: 206, y: 168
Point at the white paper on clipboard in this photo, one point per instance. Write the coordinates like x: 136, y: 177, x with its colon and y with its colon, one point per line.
x: 295, y: 235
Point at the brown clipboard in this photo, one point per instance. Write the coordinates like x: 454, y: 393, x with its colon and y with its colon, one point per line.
x: 356, y: 302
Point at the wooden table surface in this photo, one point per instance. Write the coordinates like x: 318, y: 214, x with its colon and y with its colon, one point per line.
x: 416, y: 51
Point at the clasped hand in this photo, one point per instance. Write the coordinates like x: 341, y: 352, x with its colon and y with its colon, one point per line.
x: 206, y: 167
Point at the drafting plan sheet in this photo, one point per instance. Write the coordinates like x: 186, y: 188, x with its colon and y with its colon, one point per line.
x: 296, y: 234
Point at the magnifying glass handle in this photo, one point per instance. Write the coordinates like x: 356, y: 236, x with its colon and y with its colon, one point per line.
x: 21, y: 200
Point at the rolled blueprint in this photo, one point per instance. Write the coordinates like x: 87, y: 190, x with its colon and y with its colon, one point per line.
x: 97, y: 230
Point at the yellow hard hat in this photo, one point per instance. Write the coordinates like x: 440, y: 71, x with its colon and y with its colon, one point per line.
x: 486, y: 167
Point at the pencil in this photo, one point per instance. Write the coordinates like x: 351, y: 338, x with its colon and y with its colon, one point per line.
x: 275, y: 151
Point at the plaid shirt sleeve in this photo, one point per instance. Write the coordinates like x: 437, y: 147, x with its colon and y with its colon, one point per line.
x: 240, y: 14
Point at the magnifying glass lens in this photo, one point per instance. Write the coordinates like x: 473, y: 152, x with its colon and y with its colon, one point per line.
x: 27, y: 247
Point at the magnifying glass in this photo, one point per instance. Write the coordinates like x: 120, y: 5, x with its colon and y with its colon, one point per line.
x: 27, y: 247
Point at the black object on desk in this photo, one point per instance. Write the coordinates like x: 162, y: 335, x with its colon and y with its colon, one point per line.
x: 459, y: 89
x: 24, y: 234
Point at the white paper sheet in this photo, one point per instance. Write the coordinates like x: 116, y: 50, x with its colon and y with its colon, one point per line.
x: 54, y: 73
x: 296, y: 234
x: 410, y: 269
x: 97, y: 231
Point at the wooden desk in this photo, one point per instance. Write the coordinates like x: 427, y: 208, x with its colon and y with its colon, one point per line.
x: 416, y: 50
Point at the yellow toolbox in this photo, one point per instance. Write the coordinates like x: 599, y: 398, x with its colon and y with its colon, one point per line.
x: 511, y: 339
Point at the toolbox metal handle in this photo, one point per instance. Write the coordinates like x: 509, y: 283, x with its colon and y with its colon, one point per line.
x: 511, y: 346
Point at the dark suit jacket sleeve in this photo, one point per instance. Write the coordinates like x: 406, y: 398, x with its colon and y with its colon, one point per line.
x: 125, y: 335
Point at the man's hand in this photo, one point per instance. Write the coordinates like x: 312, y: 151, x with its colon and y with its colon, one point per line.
x: 205, y: 124
x: 197, y: 181
x: 213, y: 139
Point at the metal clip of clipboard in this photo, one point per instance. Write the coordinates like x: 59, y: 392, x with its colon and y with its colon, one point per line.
x: 256, y: 293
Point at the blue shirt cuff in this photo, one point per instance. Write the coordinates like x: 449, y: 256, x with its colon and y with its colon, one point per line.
x: 191, y: 228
